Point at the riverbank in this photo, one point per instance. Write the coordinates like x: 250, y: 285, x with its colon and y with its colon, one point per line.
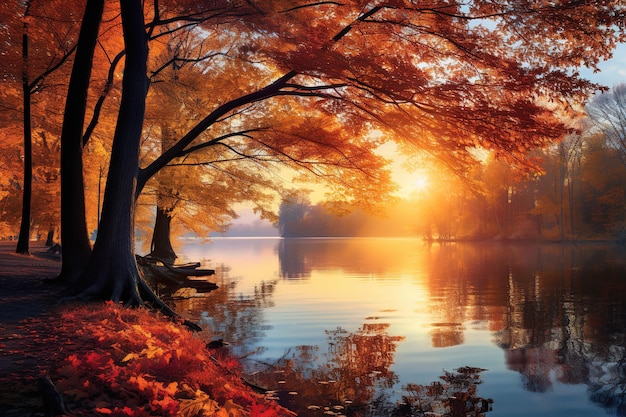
x: 105, y: 360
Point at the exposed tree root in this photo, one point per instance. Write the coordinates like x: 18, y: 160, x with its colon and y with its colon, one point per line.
x: 173, y: 278
x: 133, y: 292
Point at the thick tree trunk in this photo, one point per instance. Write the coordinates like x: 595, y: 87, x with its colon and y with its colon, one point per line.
x: 112, y: 270
x: 74, y: 234
x: 23, y: 244
x: 161, y: 246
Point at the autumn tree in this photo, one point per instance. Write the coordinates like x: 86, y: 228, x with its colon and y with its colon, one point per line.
x: 33, y: 26
x: 447, y: 78
x: 604, y: 185
x: 194, y: 193
x: 555, y: 186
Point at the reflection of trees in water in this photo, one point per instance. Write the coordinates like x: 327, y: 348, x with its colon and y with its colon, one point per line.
x: 237, y: 319
x: 298, y: 258
x: 355, y: 380
x: 559, y: 311
x: 447, y: 334
x: 355, y: 369
x: 571, y: 323
x: 292, y: 259
x: 456, y: 395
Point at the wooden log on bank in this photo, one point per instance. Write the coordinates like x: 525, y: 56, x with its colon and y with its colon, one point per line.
x: 174, y: 277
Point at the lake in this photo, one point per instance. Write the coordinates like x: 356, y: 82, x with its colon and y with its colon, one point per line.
x: 370, y: 327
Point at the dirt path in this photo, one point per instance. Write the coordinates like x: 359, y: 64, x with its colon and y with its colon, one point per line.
x: 27, y: 311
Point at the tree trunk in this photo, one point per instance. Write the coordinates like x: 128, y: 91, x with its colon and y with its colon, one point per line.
x: 23, y: 244
x: 50, y: 237
x: 161, y: 246
x: 74, y: 234
x: 112, y: 270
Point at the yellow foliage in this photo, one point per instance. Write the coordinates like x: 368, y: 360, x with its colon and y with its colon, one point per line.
x: 201, y: 405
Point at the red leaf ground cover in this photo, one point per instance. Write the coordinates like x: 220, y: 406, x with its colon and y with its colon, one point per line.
x: 106, y: 359
x: 133, y: 362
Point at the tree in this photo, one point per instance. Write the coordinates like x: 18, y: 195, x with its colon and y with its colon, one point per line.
x: 608, y: 113
x: 76, y: 245
x: 24, y: 237
x: 604, y: 184
x: 360, y: 71
x: 30, y: 28
x: 199, y: 199
x: 292, y: 211
x: 110, y: 255
x: 195, y: 193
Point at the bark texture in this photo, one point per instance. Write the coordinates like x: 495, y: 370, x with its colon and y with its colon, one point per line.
x: 23, y: 240
x: 112, y: 271
x: 74, y: 234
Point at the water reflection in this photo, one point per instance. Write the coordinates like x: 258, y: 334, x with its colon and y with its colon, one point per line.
x: 557, y: 312
x: 230, y: 315
x: 298, y: 258
x: 354, y: 379
x: 456, y: 395
x: 346, y: 379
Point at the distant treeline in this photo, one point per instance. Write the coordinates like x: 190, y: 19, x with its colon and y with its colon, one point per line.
x: 303, y: 219
x: 577, y: 191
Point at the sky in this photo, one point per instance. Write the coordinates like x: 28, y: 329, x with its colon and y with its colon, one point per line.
x: 613, y: 71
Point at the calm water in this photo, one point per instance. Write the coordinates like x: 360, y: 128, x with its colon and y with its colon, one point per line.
x: 369, y: 326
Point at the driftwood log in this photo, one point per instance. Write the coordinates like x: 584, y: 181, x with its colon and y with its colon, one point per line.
x: 174, y: 277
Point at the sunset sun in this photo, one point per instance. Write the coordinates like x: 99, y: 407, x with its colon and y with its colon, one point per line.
x: 413, y: 184
x: 420, y: 183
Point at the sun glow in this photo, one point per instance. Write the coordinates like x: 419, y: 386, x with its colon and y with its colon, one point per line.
x: 411, y: 184
x: 411, y: 179
x: 420, y: 183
